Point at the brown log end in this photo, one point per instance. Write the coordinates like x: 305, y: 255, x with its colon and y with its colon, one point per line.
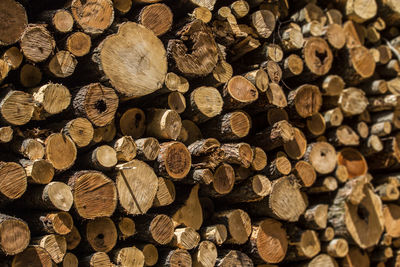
x: 15, y: 235
x: 13, y: 23
x: 156, y: 17
x: 14, y: 182
x: 101, y: 234
x: 60, y: 151
x: 37, y: 43
x: 317, y: 56
x: 174, y: 160
x: 79, y: 43
x: 354, y: 162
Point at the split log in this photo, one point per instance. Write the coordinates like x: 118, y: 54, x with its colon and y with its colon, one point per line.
x: 190, y: 213
x: 264, y: 22
x: 285, y: 202
x: 94, y: 194
x: 136, y: 183
x: 185, y: 238
x: 147, y: 148
x: 259, y: 159
x: 296, y: 148
x: 238, y: 153
x: 259, y: 78
x: 125, y: 148
x: 316, y: 216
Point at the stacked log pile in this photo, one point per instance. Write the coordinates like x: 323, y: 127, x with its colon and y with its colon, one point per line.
x: 199, y: 133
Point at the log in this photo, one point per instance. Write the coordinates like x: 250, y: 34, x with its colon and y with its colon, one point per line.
x: 157, y: 229
x: 126, y: 227
x: 322, y: 156
x: 337, y: 248
x: 78, y: 44
x: 315, y: 217
x: 136, y: 184
x: 205, y: 254
x: 353, y: 161
x: 317, y: 55
x: 238, y: 92
x: 37, y: 43
x: 100, y: 234
x: 14, y: 22
x: 305, y: 101
x: 128, y: 256
x: 215, y: 233
x: 222, y: 182
x: 97, y: 103
x: 163, y: 124
x: 6, y: 134
x: 230, y: 126
x: 175, y: 258
x: 156, y: 17
x: 15, y: 235
x: 268, y: 242
x: 102, y: 158
x: 327, y: 184
x: 73, y: 238
x: 285, y: 202
x: 147, y: 148
x: 204, y: 104
x: 95, y: 195
x: 96, y: 259
x: 42, y: 223
x: 132, y: 122
x: 203, y: 59
x: 173, y: 161
x: 343, y: 136
x: 296, y: 148
x: 150, y: 253
x: 293, y: 65
x: 264, y: 22
x: 304, y: 244
x: 275, y: 136
x: 185, y: 238
x: 356, y: 207
x: 90, y: 19
x: 259, y: 159
x: 80, y: 130
x: 278, y: 167
x: 239, y: 153
x: 238, y: 224
x: 34, y: 256
x: 55, y: 245
x: 30, y: 75
x: 190, y: 214
x: 321, y: 260
x: 70, y: 260
x: 252, y: 189
x: 391, y: 221
x: 29, y: 148
x: 62, y: 64
x: 233, y: 258
x: 16, y: 107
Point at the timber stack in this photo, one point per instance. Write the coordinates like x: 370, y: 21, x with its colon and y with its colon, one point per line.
x: 199, y: 133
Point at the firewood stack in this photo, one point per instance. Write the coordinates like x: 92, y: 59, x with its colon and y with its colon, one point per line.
x: 200, y: 133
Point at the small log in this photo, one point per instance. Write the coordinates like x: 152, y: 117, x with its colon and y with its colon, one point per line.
x: 175, y: 258
x: 122, y: 6
x: 62, y: 64
x: 190, y: 214
x: 238, y: 224
x: 6, y: 134
x: 215, y: 233
x: 387, y: 192
x: 389, y: 11
x: 206, y: 253
x: 14, y: 184
x: 132, y: 122
x: 230, y: 126
x: 15, y: 235
x: 105, y: 134
x: 305, y: 172
x: 223, y: 181
x: 305, y: 101
x: 381, y: 128
x: 90, y: 21
x: 327, y: 234
x: 55, y: 245
x: 80, y: 130
x: 94, y: 194
x: 354, y: 162
x: 13, y: 57
x: 150, y: 253
x: 382, y: 103
x: 239, y: 153
x: 100, y: 234
x: 304, y: 244
x: 33, y: 255
x: 259, y: 159
x: 73, y: 238
x: 316, y: 125
x: 59, y: 222
x: 391, y: 116
x: 285, y: 202
x: 136, y: 183
x: 318, y: 56
x: 278, y: 167
x: 315, y: 217
x: 356, y: 200
x: 163, y: 124
x: 97, y: 103
x: 185, y: 238
x: 337, y: 248
x: 70, y: 260
x: 264, y: 22
x: 102, y: 158
x: 293, y: 65
x: 274, y: 71
x: 78, y: 44
x: 233, y: 258
x: 156, y: 17
x: 60, y: 151
x: 147, y: 148
x: 37, y: 43
x: 276, y: 114
x: 335, y: 35
x: 343, y: 136
x: 268, y: 241
x: 204, y: 147
x: 173, y: 161
x: 259, y: 78
x: 30, y: 75
x: 292, y: 38
x: 125, y: 147
x: 323, y: 185
x: 371, y: 146
x: 221, y: 74
x: 96, y: 259
x: 332, y: 85
x: 204, y: 104
x: 275, y: 136
x: 252, y: 189
x: 333, y: 117
x: 126, y: 227
x: 296, y: 148
x: 29, y: 148
x: 238, y: 92
x: 322, y: 156
x: 128, y: 256
x: 165, y: 193
x: 197, y: 62
x: 362, y: 129
x: 201, y: 13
